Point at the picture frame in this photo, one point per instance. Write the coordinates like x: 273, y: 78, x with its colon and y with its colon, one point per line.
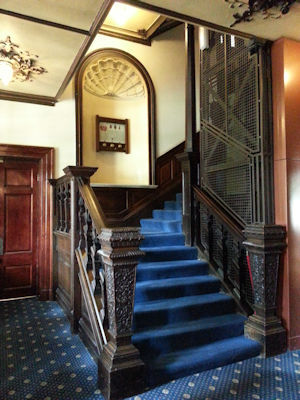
x: 111, y: 134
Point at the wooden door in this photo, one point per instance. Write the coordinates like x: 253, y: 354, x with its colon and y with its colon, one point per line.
x: 18, y: 228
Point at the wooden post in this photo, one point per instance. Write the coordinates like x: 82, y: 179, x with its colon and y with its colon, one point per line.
x: 121, y: 371
x: 190, y: 157
x: 264, y: 244
x: 85, y: 173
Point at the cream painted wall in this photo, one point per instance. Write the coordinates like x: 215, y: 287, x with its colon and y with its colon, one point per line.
x: 117, y: 167
x: 165, y: 62
x: 36, y: 125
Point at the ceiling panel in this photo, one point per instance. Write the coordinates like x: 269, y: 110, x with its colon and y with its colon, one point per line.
x: 75, y: 13
x: 218, y: 12
x: 55, y: 47
x: 134, y: 20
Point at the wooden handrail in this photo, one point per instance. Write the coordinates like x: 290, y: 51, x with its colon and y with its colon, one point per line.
x: 92, y: 204
x: 235, y: 227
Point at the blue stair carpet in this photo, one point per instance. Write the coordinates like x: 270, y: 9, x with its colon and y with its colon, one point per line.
x: 41, y: 360
x: 182, y: 322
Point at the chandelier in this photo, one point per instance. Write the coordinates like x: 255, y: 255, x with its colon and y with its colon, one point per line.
x: 17, y: 65
x: 267, y: 8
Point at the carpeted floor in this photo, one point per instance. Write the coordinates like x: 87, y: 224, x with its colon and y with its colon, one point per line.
x: 41, y: 360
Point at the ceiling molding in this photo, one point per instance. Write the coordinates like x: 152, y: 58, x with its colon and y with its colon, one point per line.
x: 89, y: 36
x: 44, y: 22
x: 166, y: 26
x: 27, y: 98
x: 146, y: 42
x: 189, y: 19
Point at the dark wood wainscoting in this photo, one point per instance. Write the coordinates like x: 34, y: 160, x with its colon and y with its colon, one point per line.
x: 168, y: 167
x: 125, y: 205
x: 63, y: 268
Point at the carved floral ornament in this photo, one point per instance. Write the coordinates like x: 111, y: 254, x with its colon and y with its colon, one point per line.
x: 17, y: 64
x: 113, y: 77
x: 248, y: 9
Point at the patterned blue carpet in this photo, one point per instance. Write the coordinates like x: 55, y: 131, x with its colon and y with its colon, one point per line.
x: 41, y: 360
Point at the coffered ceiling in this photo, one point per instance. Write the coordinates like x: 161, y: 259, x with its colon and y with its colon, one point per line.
x: 58, y: 32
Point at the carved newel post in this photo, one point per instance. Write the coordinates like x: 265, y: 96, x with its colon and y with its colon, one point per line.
x: 121, y: 371
x: 265, y: 244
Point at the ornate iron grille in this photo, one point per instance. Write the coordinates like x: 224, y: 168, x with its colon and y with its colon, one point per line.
x: 230, y: 140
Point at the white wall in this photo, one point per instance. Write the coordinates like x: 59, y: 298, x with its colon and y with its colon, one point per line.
x: 36, y: 125
x: 31, y: 124
x: 165, y: 62
x: 116, y: 167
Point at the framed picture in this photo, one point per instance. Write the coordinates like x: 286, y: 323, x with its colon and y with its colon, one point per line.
x: 111, y: 134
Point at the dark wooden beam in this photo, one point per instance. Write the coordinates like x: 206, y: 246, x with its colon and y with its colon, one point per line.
x: 190, y: 83
x: 27, y: 98
x: 44, y: 22
x: 102, y: 14
x: 190, y: 19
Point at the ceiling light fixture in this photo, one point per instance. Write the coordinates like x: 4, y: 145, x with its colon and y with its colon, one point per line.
x: 6, y: 72
x: 17, y: 65
x: 121, y: 13
x: 267, y: 8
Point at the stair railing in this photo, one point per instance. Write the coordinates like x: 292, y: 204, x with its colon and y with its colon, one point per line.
x: 221, y: 240
x: 103, y: 284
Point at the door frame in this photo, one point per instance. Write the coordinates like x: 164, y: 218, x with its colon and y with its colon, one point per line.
x: 44, y: 156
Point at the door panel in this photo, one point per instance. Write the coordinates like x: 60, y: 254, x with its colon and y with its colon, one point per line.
x: 18, y: 227
x: 18, y: 220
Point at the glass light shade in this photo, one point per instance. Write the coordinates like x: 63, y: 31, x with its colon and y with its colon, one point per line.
x: 6, y: 72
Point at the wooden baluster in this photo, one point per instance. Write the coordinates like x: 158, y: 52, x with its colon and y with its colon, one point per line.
x: 67, y: 207
x: 210, y: 236
x: 62, y: 208
x: 81, y: 211
x: 59, y: 208
x: 225, y: 253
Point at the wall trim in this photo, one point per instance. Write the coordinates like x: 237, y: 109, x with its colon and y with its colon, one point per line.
x: 44, y: 156
x: 150, y: 96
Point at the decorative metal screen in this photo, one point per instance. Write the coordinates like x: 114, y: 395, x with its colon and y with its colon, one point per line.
x: 230, y: 140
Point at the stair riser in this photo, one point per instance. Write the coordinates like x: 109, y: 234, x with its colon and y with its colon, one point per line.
x: 179, y: 197
x: 156, y: 346
x: 173, y: 205
x: 167, y: 215
x: 161, y: 226
x: 149, y: 294
x: 172, y: 240
x: 148, y: 274
x: 181, y: 314
x: 170, y: 255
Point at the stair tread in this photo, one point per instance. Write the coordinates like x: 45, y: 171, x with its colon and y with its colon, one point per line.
x: 188, y: 326
x: 212, y: 355
x: 168, y: 304
x: 160, y: 220
x: 170, y: 264
x: 176, y: 281
x: 167, y: 248
x: 163, y: 233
